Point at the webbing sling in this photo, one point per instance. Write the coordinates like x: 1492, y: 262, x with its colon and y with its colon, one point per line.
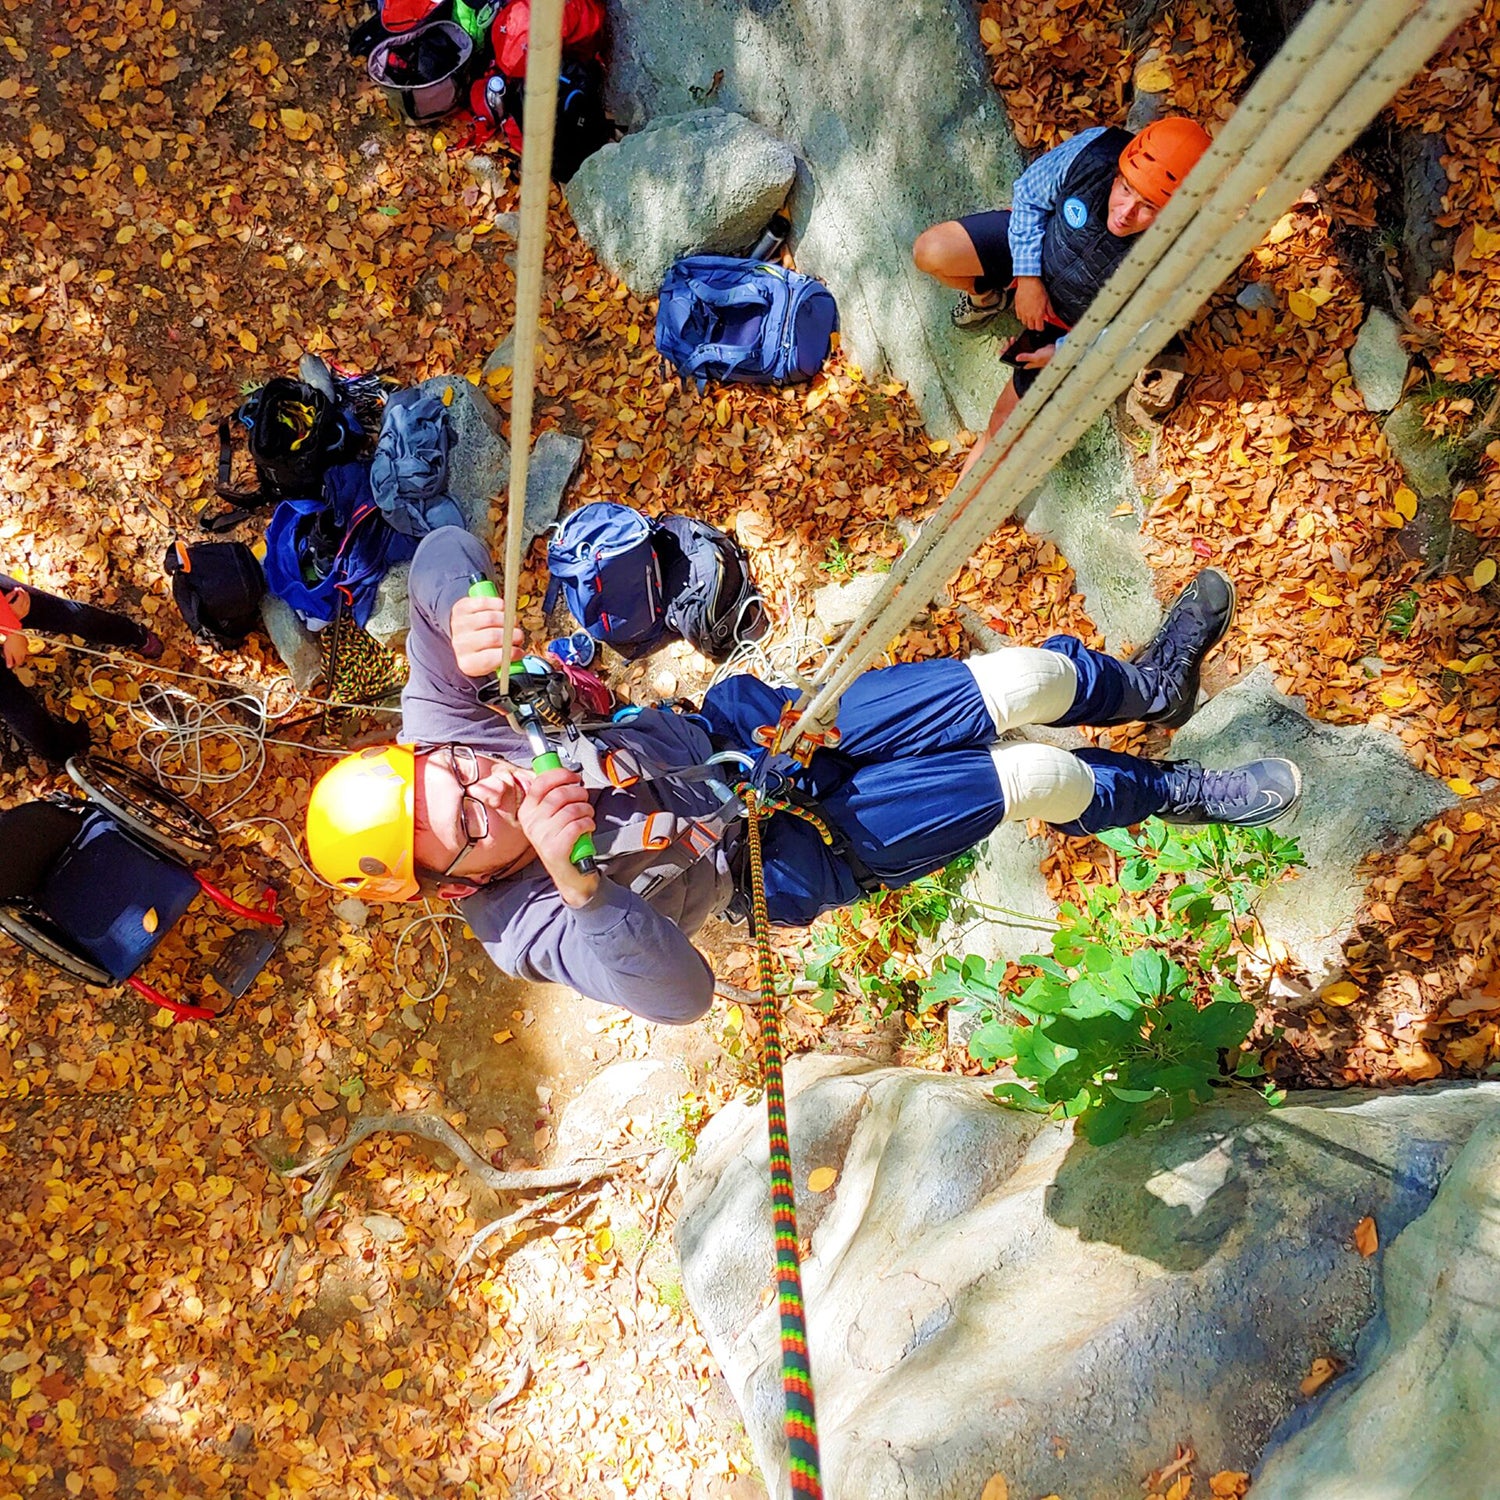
x: 800, y: 1421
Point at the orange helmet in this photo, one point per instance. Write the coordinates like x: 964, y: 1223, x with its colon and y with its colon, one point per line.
x: 360, y: 822
x: 1160, y: 157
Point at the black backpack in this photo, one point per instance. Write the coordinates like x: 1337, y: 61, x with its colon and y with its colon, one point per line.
x: 295, y: 433
x: 218, y: 587
x: 709, y: 596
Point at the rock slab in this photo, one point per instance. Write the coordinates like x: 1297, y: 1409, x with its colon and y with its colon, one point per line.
x: 706, y: 181
x: 896, y: 126
x: 1378, y: 362
x: 1419, y: 1420
x: 1360, y: 794
x: 987, y: 1295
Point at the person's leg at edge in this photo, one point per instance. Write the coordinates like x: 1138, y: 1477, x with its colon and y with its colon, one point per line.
x: 51, y: 738
x: 99, y: 627
x: 1009, y: 400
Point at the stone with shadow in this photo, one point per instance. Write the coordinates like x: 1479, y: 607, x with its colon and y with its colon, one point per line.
x: 988, y: 1294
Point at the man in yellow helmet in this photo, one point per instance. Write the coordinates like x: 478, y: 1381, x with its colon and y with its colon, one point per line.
x: 919, y: 776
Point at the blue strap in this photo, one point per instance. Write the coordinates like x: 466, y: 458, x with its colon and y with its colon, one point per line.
x: 744, y: 295
x: 731, y: 355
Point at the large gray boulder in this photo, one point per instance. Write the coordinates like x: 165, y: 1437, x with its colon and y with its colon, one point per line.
x: 896, y: 126
x: 1360, y: 795
x: 986, y: 1294
x: 1422, y: 1416
x: 705, y: 181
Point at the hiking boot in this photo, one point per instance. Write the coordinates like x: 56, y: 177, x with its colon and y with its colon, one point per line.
x: 975, y: 308
x: 1196, y: 623
x: 1249, y: 796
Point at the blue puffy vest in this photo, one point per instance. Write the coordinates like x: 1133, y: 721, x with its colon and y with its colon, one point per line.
x: 1078, y: 251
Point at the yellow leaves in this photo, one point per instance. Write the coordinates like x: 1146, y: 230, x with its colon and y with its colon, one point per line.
x: 1467, y: 666
x: 938, y: 447
x: 298, y: 126
x: 1304, y: 304
x: 820, y: 1179
x: 392, y: 1378
x: 150, y: 921
x: 1486, y: 242
x: 633, y: 335
x: 1366, y: 1237
x: 1229, y: 1484
x: 721, y: 412
x: 447, y: 395
x: 45, y: 143
x: 500, y: 1038
x: 1153, y: 76
x: 604, y: 1241
x: 1318, y: 1375
x: 1340, y: 993
x: 1483, y: 574
x: 9, y: 87
x: 248, y: 341
x: 995, y: 1488
x: 1460, y: 787
x: 1405, y: 501
x: 21, y: 1387
x: 989, y: 32
x: 439, y: 143
x: 1301, y: 306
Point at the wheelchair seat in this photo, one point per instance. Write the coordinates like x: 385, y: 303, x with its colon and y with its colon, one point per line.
x: 103, y: 889
x: 94, y: 887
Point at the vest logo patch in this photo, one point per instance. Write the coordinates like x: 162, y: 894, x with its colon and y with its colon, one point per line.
x: 1075, y: 213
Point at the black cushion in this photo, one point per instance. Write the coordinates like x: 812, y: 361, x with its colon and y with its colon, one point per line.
x: 33, y: 838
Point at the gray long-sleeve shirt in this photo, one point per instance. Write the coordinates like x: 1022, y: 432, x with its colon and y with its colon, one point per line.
x: 620, y: 948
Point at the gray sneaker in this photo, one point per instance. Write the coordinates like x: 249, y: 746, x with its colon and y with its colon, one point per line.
x: 1248, y: 796
x: 970, y: 311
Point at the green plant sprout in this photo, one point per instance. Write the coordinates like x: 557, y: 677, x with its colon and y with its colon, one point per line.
x: 1135, y: 1017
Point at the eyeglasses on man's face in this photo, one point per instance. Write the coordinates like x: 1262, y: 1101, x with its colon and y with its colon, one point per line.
x: 473, y: 815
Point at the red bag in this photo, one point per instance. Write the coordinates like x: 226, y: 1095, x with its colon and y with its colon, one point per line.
x: 582, y: 33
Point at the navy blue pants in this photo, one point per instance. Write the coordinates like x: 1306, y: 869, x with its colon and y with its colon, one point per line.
x: 51, y: 738
x: 912, y: 784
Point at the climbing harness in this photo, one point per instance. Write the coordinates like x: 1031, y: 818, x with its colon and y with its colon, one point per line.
x: 800, y: 1421
x: 1341, y: 65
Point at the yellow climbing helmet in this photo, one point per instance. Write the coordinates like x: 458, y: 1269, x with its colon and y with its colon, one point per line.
x: 360, y: 821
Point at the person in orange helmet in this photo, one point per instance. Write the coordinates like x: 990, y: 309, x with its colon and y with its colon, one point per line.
x: 1072, y: 217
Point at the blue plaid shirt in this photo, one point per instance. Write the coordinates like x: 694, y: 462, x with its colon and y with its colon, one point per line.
x: 1034, y: 197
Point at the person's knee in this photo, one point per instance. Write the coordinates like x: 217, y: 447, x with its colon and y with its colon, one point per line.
x: 932, y: 253
x: 1024, y: 685
x: 1041, y: 781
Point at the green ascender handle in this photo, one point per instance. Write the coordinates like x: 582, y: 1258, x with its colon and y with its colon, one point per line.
x: 543, y: 756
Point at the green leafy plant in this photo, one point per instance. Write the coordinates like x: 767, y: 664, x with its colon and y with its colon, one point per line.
x: 860, y: 951
x: 1135, y: 1017
x: 1402, y: 615
x: 836, y: 561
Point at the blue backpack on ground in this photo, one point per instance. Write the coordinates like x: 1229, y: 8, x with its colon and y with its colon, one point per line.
x: 637, y: 582
x: 726, y: 318
x: 603, y: 559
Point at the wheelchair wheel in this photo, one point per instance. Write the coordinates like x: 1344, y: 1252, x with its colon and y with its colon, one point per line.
x: 15, y: 924
x: 145, y: 807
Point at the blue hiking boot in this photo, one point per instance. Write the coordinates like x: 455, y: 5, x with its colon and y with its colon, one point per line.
x: 1172, y: 659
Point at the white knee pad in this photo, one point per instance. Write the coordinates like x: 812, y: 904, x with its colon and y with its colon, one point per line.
x: 1024, y: 685
x: 1041, y: 781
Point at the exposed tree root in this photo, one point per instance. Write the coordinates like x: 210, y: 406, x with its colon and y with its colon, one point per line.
x: 330, y: 1164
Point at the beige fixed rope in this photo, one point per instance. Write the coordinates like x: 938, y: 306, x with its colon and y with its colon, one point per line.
x: 543, y: 64
x: 1337, y: 70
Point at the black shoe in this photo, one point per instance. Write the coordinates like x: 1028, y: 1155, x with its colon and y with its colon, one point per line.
x: 1198, y: 620
x: 1249, y: 796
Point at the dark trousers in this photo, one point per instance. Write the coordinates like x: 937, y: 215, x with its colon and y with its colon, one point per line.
x: 56, y: 739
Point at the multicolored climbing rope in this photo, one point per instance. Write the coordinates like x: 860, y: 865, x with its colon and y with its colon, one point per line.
x: 796, y: 1376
